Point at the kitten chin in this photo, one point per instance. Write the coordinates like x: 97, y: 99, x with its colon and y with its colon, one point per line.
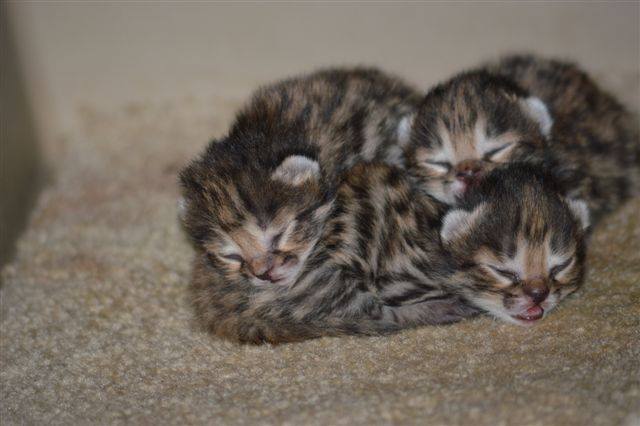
x: 519, y: 241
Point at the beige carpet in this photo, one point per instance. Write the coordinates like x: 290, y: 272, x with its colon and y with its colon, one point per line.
x: 96, y: 328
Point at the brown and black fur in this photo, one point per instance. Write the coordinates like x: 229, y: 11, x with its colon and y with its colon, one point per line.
x: 377, y: 268
x: 591, y: 144
x: 594, y: 140
x: 236, y: 196
x: 336, y: 116
x: 520, y: 236
x: 381, y: 265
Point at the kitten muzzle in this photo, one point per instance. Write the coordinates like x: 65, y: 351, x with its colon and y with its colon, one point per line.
x: 468, y: 174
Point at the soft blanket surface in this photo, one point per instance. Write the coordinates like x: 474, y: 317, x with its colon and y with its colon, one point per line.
x: 96, y: 326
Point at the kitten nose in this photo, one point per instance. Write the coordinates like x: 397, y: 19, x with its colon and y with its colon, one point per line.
x: 261, y: 266
x: 266, y: 276
x: 536, y: 289
x: 468, y: 170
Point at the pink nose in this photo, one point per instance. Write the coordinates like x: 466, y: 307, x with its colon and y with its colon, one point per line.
x: 266, y: 276
x: 261, y: 266
x: 536, y: 289
x: 468, y: 170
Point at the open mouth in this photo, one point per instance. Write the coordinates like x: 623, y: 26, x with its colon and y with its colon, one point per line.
x: 531, y: 315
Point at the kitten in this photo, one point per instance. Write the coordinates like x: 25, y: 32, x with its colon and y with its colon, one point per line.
x: 255, y: 202
x: 594, y: 140
x: 519, y: 241
x: 386, y: 261
x: 526, y: 109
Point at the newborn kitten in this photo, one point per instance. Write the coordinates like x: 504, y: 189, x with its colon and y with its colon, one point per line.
x: 383, y: 263
x: 377, y: 267
x: 526, y: 109
x: 255, y: 202
x: 520, y: 243
x: 594, y: 140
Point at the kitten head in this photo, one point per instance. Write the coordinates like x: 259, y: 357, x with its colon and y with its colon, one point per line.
x: 519, y: 242
x: 467, y: 126
x: 253, y: 218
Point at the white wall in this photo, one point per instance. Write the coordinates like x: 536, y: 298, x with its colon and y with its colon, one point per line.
x: 105, y: 55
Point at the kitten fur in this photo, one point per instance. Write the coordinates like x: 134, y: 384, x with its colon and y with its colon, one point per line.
x: 257, y: 199
x: 364, y: 276
x: 527, y: 109
x: 380, y: 264
x: 519, y: 241
x: 594, y: 140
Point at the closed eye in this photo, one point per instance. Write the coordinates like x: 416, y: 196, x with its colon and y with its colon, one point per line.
x: 275, y: 242
x: 233, y: 257
x: 489, y: 155
x: 438, y: 166
x: 510, y: 275
x: 553, y: 272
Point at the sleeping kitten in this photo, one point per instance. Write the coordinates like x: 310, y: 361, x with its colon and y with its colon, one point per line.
x: 255, y: 202
x: 594, y: 140
x: 514, y: 249
x: 527, y: 109
x: 520, y: 243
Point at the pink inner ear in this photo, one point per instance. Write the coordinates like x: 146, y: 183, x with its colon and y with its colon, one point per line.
x: 538, y: 111
x: 458, y: 222
x: 454, y: 223
x: 580, y: 211
x: 297, y: 169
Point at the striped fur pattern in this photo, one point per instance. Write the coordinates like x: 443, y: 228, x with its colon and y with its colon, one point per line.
x: 520, y: 243
x: 594, y: 140
x: 378, y: 267
x: 381, y: 265
x: 530, y: 109
x: 257, y: 199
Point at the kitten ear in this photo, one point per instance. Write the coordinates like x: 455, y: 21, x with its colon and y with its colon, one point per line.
x: 538, y: 111
x: 297, y: 169
x: 183, y: 206
x: 404, y: 129
x: 457, y: 223
x: 580, y: 211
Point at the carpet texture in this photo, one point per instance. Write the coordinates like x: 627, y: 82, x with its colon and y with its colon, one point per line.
x: 96, y: 326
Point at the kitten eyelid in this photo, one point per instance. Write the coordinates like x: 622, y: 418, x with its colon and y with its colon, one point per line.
x: 233, y: 257
x: 276, y: 240
x: 491, y: 153
x: 438, y: 165
x: 561, y: 267
x: 510, y: 275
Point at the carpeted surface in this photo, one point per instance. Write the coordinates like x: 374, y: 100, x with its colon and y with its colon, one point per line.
x: 96, y: 327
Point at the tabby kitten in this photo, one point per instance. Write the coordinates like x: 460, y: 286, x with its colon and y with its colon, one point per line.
x: 386, y: 261
x: 529, y: 109
x: 255, y: 202
x: 519, y: 242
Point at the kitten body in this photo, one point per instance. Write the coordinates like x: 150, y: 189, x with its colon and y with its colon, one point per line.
x: 383, y: 262
x: 594, y: 139
x: 257, y: 199
x: 377, y: 267
x: 526, y: 109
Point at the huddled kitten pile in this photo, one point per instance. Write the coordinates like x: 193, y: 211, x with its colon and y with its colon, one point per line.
x: 344, y: 202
